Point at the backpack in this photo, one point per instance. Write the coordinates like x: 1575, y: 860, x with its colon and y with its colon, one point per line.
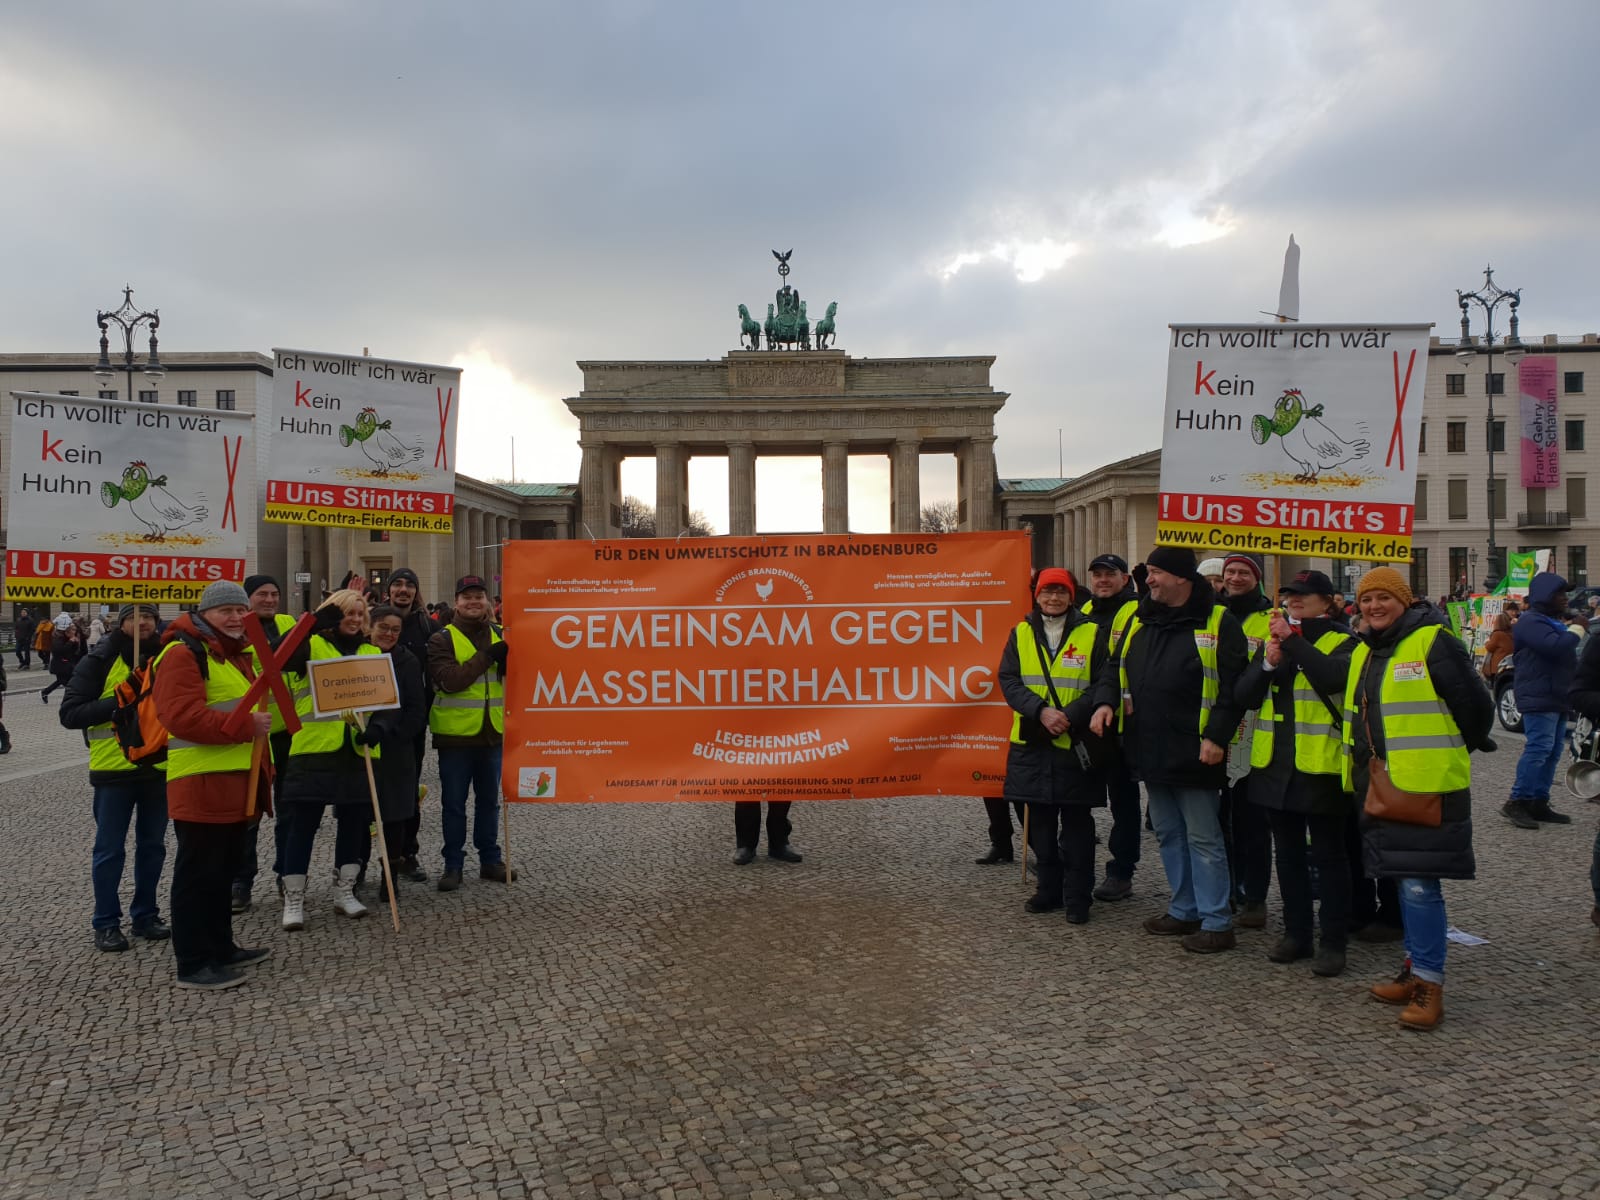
x: 139, y: 730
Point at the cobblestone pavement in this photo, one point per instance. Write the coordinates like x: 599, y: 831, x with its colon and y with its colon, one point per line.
x: 637, y: 1017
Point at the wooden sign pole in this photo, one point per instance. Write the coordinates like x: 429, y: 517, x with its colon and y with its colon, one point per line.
x: 377, y: 819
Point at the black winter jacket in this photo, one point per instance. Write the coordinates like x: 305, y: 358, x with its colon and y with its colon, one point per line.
x: 398, y: 729
x: 1391, y: 848
x: 82, y: 705
x: 1161, y: 736
x: 335, y: 776
x: 1040, y: 772
x: 1584, y: 698
x: 1279, y: 785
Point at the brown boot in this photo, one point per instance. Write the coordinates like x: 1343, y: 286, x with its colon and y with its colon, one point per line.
x: 1398, y: 990
x: 1426, y: 1008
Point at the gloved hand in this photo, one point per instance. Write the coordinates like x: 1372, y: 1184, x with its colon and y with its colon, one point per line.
x: 328, y: 618
x: 498, y: 652
x: 372, y: 736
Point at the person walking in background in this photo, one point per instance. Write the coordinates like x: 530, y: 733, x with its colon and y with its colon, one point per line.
x: 67, y: 649
x: 24, y: 627
x: 5, y: 737
x: 1546, y: 659
x: 125, y: 793
x: 1173, y: 683
x: 1414, y: 703
x: 201, y: 675
x: 43, y: 637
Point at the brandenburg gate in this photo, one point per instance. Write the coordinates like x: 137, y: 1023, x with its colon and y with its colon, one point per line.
x: 817, y: 403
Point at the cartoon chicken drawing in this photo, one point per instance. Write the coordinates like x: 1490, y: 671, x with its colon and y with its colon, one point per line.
x: 377, y: 442
x: 1312, y: 445
x: 157, y: 509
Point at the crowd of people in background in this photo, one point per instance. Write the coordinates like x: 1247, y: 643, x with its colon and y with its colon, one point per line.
x: 1327, y: 738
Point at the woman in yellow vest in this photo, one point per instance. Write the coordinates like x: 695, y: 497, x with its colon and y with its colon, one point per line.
x: 1296, y: 680
x: 1412, y: 684
x: 1045, y: 673
x: 325, y: 766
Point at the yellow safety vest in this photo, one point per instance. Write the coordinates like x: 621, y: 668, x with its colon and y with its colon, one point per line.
x: 282, y: 623
x: 461, y: 714
x: 105, y: 752
x: 1423, y: 746
x: 1205, y: 642
x: 1257, y: 629
x: 225, y: 686
x: 329, y: 733
x: 1318, y: 739
x: 1069, y: 671
x: 1119, y: 623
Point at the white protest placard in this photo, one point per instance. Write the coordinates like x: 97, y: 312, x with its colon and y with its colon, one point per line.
x: 116, y: 501
x: 362, y: 443
x: 353, y: 683
x: 1292, y: 439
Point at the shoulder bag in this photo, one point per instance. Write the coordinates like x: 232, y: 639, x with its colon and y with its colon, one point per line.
x: 1389, y: 802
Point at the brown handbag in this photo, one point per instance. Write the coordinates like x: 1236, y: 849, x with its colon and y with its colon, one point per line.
x: 1389, y: 802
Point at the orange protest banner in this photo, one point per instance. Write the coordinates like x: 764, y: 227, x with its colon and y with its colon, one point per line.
x: 801, y: 667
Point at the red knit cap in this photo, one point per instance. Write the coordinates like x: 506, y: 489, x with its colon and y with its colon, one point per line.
x: 1056, y: 575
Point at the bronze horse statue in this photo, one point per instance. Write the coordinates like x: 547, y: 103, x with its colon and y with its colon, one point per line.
x: 824, y: 330
x: 749, y: 329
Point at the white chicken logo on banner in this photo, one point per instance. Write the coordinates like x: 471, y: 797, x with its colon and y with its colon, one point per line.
x: 147, y: 498
x: 378, y: 443
x: 1311, y: 444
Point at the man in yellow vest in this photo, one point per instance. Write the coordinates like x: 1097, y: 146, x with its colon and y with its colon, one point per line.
x: 264, y: 597
x: 1170, y: 689
x: 1113, y: 603
x: 1244, y: 825
x: 467, y: 662
x: 124, y: 792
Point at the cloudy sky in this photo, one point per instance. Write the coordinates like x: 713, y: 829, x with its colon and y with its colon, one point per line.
x: 512, y: 186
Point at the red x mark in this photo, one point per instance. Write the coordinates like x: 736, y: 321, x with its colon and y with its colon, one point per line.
x: 1397, y: 439
x: 446, y: 397
x: 270, y: 676
x: 231, y: 462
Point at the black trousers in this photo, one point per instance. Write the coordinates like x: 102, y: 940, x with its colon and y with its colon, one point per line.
x: 1328, y: 855
x: 1000, y: 828
x: 244, y: 871
x: 404, y: 843
x: 202, y: 877
x: 1127, y: 821
x: 747, y: 823
x: 1061, y: 837
x: 1248, y: 838
x: 1372, y: 901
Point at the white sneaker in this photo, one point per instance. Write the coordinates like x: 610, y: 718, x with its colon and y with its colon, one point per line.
x: 344, y: 892
x: 294, y: 902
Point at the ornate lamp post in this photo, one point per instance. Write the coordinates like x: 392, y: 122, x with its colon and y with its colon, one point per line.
x: 1488, y: 298
x: 128, y: 318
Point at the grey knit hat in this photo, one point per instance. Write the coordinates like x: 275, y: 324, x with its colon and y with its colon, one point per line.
x: 223, y: 591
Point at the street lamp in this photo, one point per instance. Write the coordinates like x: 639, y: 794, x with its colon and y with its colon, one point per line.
x: 1488, y: 298
x: 128, y: 319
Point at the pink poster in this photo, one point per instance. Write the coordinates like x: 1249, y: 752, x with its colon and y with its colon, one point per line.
x: 1541, y: 450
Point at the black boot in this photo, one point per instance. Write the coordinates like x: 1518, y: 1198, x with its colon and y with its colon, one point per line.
x: 997, y: 854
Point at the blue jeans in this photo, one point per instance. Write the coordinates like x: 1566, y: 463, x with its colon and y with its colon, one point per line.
x: 116, y: 805
x: 477, y: 768
x: 1594, y: 868
x: 1422, y: 913
x: 1536, y: 769
x: 1189, y: 828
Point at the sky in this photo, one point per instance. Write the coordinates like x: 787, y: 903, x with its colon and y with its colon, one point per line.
x: 512, y: 187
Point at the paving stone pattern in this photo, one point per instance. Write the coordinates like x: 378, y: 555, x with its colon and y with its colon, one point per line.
x: 638, y: 1017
